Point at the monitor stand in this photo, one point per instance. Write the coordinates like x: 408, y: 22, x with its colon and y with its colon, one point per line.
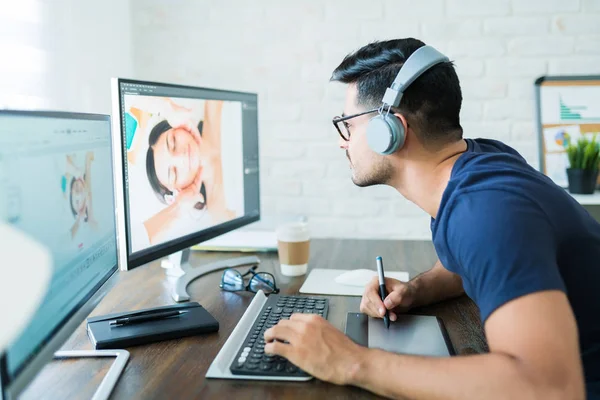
x: 110, y: 380
x: 177, y: 265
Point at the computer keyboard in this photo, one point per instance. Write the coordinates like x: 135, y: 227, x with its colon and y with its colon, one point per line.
x: 251, y: 358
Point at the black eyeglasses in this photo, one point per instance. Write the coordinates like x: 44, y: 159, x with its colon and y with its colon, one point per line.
x: 233, y: 281
x: 342, y: 128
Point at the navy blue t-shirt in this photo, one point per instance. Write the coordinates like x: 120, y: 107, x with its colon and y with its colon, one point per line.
x: 508, y: 231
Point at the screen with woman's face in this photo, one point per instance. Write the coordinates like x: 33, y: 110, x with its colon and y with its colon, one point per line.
x: 184, y: 165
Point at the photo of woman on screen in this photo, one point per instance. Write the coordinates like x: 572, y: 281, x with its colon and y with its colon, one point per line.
x: 181, y: 157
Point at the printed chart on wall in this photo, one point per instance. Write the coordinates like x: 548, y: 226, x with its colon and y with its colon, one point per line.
x: 568, y: 107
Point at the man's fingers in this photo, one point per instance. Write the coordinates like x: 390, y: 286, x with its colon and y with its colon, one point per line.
x: 393, y: 316
x: 300, y: 317
x: 278, y: 348
x: 393, y: 299
x: 376, y: 303
x: 284, y: 330
x: 372, y: 310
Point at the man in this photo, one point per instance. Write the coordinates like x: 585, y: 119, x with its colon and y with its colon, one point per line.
x: 517, y: 244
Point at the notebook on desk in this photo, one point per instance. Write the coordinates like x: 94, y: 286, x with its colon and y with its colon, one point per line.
x: 195, y: 320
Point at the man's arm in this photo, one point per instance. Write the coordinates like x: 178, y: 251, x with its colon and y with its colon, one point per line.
x: 436, y: 285
x: 534, y: 354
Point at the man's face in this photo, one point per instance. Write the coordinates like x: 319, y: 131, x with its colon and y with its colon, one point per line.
x: 368, y: 167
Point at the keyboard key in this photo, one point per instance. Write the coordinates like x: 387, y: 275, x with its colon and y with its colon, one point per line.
x: 247, y: 349
x: 279, y: 367
x: 251, y: 366
x: 265, y: 366
x: 257, y: 356
x: 241, y: 360
x: 291, y: 368
x: 254, y: 360
x: 320, y: 306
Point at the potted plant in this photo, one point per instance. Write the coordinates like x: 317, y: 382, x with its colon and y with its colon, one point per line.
x: 584, y: 157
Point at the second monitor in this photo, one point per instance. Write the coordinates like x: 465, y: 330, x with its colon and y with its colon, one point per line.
x: 186, y: 163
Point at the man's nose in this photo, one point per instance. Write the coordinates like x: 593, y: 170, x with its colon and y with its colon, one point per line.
x: 342, y: 143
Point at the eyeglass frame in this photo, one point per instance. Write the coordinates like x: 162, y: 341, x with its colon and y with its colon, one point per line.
x: 337, y: 120
x: 254, y: 275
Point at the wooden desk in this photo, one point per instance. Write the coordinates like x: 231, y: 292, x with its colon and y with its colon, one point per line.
x: 175, y: 369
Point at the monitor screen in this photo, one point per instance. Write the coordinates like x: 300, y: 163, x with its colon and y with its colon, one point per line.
x: 189, y: 159
x: 56, y: 186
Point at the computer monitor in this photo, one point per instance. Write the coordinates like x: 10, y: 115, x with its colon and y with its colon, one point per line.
x: 56, y: 186
x: 186, y: 164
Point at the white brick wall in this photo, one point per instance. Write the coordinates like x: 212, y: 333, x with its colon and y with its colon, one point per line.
x: 287, y: 50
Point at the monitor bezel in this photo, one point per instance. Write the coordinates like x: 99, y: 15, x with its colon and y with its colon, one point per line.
x: 142, y: 257
x: 12, y: 386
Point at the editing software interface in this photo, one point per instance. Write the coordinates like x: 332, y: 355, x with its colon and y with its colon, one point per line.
x: 189, y: 162
x: 56, y: 186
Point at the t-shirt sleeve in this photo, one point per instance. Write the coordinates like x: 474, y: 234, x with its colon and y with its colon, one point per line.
x: 505, y: 246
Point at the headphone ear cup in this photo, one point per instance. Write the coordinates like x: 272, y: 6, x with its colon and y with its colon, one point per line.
x: 385, y: 134
x: 399, y: 133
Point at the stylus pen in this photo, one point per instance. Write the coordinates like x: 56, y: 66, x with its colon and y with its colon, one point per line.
x: 145, y: 318
x: 382, y: 291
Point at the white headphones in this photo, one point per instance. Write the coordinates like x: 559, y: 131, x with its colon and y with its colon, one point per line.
x: 385, y: 132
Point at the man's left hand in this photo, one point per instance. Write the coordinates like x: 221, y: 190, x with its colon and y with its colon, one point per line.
x: 315, y: 346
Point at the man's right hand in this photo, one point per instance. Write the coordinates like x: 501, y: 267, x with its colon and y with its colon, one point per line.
x: 400, y: 298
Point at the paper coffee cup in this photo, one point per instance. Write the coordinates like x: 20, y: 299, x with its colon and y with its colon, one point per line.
x: 293, y: 246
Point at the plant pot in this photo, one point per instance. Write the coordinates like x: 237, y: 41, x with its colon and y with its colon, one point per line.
x: 582, y: 181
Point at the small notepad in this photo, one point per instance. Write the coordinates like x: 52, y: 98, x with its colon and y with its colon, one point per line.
x: 323, y: 281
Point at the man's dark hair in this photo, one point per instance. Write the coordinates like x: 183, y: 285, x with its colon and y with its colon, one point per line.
x: 431, y: 104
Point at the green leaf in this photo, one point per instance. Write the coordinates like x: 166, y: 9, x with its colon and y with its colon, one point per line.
x: 585, y: 154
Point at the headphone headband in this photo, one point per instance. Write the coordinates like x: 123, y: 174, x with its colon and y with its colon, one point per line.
x: 420, y: 61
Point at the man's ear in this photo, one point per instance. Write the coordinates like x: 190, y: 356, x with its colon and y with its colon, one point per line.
x: 403, y: 120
